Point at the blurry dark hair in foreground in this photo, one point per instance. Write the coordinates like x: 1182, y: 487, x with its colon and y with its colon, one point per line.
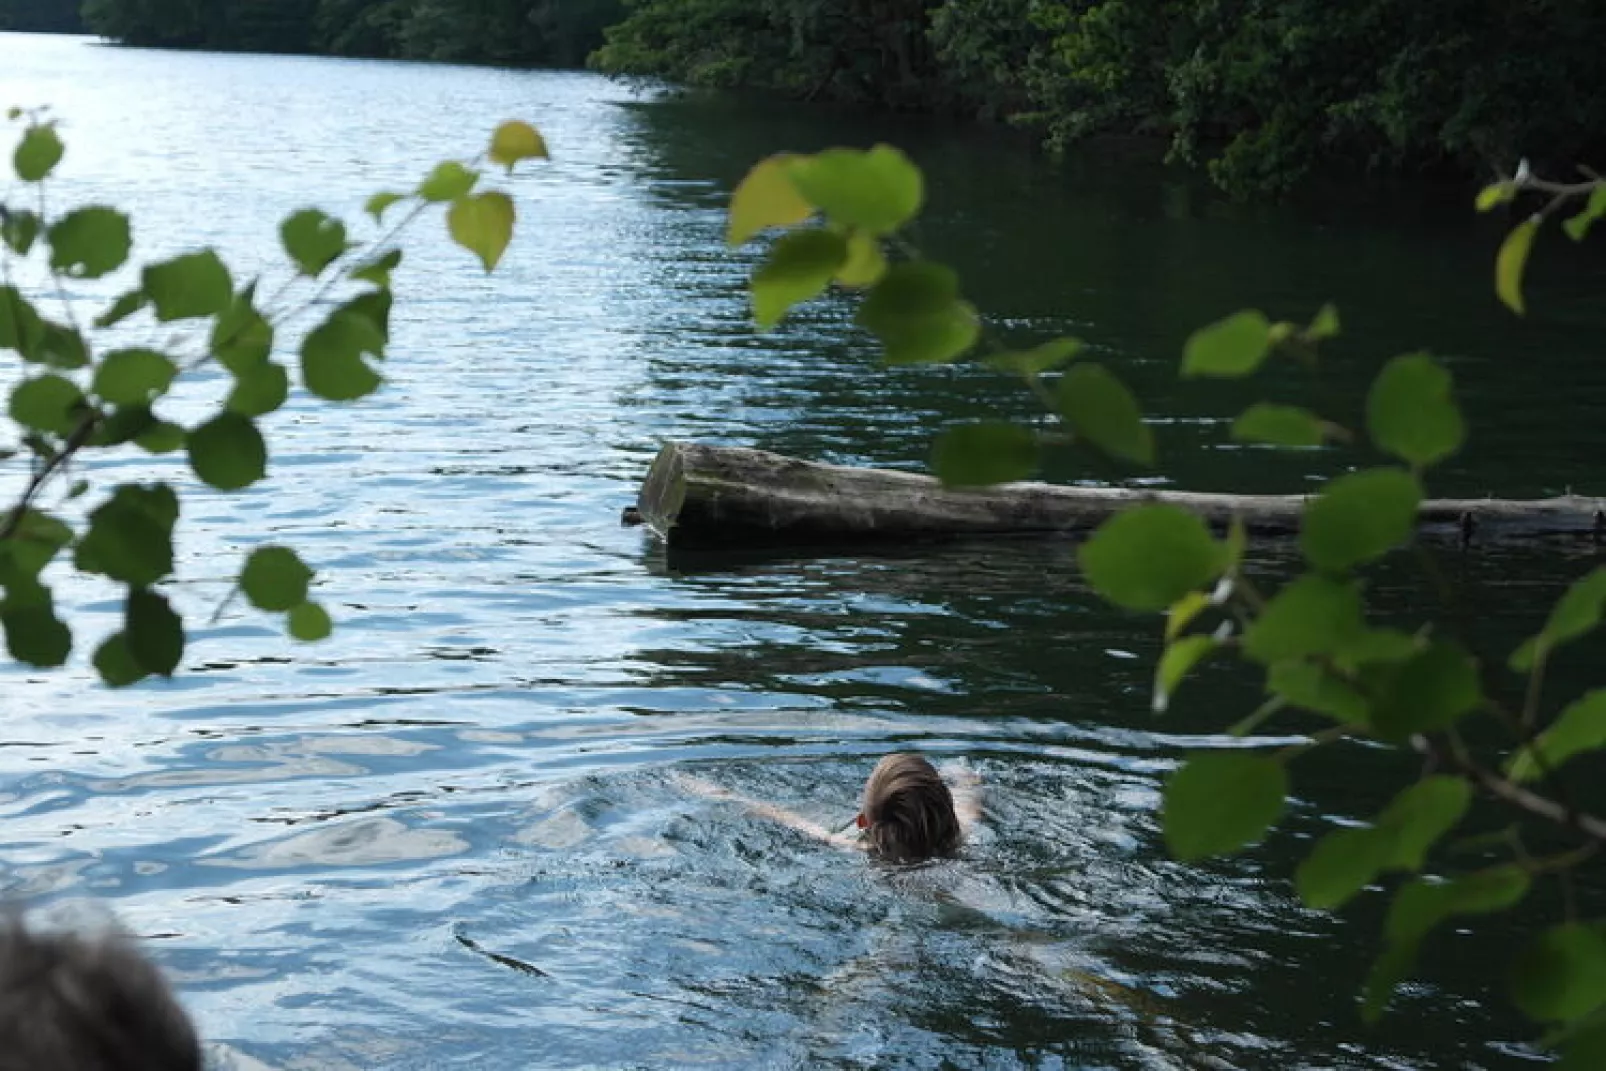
x: 86, y: 1002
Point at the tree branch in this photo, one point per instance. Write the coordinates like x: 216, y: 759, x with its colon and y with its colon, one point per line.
x: 80, y: 435
x: 1513, y: 794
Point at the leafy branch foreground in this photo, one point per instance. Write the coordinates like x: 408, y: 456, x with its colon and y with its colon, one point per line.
x: 87, y: 391
x: 841, y: 214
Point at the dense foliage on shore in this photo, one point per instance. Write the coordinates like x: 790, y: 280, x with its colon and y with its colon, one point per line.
x: 1265, y: 90
x: 41, y: 16
x: 512, y: 32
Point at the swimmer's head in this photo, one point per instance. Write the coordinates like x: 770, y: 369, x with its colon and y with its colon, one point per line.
x: 76, y: 1002
x: 908, y: 812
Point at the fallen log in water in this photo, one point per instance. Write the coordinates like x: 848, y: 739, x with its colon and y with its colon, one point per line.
x: 697, y: 495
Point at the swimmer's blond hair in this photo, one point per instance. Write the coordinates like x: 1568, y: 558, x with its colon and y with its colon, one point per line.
x: 908, y: 811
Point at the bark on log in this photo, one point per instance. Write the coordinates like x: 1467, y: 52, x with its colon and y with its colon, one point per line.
x: 697, y: 495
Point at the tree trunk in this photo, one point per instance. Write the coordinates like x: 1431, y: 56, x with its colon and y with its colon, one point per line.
x: 703, y: 496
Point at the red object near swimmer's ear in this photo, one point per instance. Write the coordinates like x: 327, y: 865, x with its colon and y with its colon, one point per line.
x: 862, y: 821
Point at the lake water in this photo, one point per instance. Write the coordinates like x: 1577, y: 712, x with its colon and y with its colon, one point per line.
x: 330, y: 846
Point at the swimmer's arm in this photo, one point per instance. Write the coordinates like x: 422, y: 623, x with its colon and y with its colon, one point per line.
x: 779, y: 815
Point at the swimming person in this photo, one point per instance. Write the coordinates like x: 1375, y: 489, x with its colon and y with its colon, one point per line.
x: 908, y: 812
x: 76, y: 1002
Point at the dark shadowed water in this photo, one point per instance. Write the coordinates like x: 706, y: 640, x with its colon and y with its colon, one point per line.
x: 454, y: 835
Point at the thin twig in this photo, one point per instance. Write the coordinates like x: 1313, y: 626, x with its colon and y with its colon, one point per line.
x: 1511, y: 793
x: 80, y: 435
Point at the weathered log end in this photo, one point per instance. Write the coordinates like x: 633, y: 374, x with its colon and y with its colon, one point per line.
x: 697, y: 495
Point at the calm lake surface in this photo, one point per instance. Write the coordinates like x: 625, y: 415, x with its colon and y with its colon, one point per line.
x: 330, y: 846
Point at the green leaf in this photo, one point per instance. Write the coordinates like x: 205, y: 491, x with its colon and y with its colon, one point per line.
x: 1038, y: 359
x: 373, y: 306
x: 877, y: 191
x: 765, y: 198
x: 1422, y: 905
x: 115, y: 662
x: 1149, y: 557
x: 800, y: 266
x: 1235, y: 346
x: 1562, y: 975
x: 448, y: 182
x: 133, y: 377
x: 1495, y: 194
x: 37, y: 539
x: 1428, y: 691
x: 309, y: 622
x: 515, y: 141
x: 18, y: 229
x: 227, y: 452
x: 123, y: 425
x: 130, y: 536
x: 1219, y: 801
x: 61, y: 347
x: 153, y: 633
x: 379, y: 202
x: 377, y: 270
x: 1578, y: 226
x: 1421, y: 815
x: 19, y: 580
x: 121, y: 309
x: 90, y: 242
x: 916, y: 313
x: 1178, y: 661
x: 1315, y: 688
x: 1580, y: 727
x: 188, y: 287
x: 483, y: 225
x: 1381, y: 645
x: 21, y: 329
x: 48, y: 403
x: 242, y: 338
x: 1182, y: 613
x: 160, y: 438
x: 1279, y: 425
x: 38, y: 153
x: 987, y: 452
x: 866, y: 264
x: 275, y: 579
x: 1341, y: 865
x: 1390, y: 969
x: 1575, y: 614
x: 313, y: 239
x: 1315, y: 615
x: 1360, y: 517
x: 1103, y: 412
x: 1511, y: 261
x: 259, y: 390
x: 1324, y: 326
x: 35, y: 636
x: 332, y: 364
x: 1410, y: 413
x: 1349, y: 859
